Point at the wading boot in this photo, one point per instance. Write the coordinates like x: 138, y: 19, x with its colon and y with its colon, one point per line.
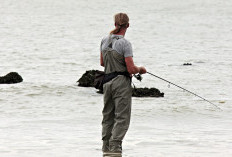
x: 105, y: 146
x: 112, y: 155
x: 115, y: 148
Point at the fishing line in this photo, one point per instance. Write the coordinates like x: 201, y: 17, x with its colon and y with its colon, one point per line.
x: 185, y: 90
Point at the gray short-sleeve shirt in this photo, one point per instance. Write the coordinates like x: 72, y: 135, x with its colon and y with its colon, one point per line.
x: 119, y: 43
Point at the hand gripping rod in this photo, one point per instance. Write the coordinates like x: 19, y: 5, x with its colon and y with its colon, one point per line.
x: 185, y: 90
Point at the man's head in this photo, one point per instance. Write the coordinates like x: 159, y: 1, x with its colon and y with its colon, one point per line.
x: 121, y: 21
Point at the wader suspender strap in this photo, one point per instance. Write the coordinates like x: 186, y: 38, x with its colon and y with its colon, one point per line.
x: 112, y: 75
x: 111, y: 41
x: 110, y: 45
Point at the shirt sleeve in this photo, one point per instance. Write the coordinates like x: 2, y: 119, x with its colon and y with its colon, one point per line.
x: 128, y: 50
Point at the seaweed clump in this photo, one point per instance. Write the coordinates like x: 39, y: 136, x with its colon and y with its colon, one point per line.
x: 10, y: 78
x: 147, y: 92
x: 87, y: 80
x: 187, y: 64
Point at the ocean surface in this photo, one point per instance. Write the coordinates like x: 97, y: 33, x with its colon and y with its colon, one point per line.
x: 51, y: 43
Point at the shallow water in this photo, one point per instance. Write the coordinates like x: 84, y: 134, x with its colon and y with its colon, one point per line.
x: 51, y: 43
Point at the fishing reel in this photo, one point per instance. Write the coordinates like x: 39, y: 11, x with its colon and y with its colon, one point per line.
x: 138, y: 77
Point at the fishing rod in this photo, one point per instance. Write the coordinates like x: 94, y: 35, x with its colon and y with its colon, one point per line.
x: 185, y: 90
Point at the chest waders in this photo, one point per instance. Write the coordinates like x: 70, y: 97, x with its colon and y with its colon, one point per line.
x: 117, y: 101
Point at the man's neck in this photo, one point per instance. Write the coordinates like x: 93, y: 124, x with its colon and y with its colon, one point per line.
x: 121, y: 32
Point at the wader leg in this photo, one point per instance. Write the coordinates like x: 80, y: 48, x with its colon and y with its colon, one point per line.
x: 122, y: 99
x: 108, y: 117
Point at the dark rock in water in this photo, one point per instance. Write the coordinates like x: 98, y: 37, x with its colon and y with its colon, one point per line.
x: 187, y: 64
x: 144, y: 92
x: 147, y: 92
x: 12, y: 77
x: 87, y: 80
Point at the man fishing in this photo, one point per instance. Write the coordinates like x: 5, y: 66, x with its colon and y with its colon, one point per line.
x: 117, y: 59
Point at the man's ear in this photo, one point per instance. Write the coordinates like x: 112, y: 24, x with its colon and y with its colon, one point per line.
x: 127, y: 25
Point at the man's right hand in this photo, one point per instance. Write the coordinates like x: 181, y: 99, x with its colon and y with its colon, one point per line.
x: 142, y: 70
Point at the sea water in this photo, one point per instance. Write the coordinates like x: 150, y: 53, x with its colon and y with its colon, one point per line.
x: 51, y: 43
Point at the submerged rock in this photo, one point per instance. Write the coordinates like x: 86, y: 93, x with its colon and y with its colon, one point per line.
x: 87, y: 80
x: 147, y: 92
x: 12, y: 77
x: 187, y: 64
